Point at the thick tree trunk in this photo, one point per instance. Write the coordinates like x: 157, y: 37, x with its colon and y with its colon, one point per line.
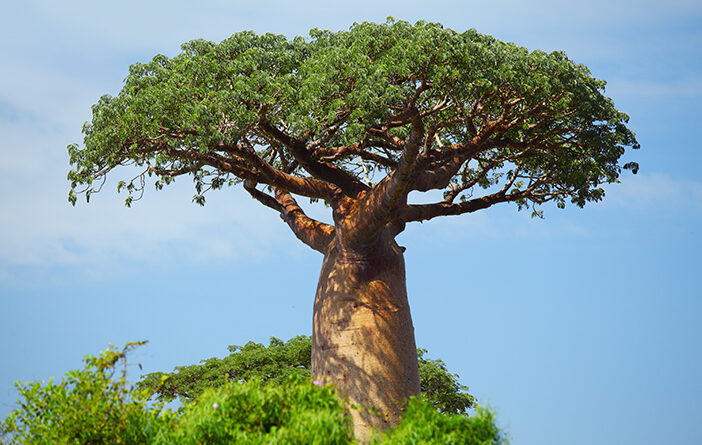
x: 362, y: 337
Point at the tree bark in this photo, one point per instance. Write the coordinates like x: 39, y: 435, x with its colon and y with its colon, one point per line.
x: 362, y: 336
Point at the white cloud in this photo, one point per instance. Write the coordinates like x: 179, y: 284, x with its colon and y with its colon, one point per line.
x: 656, y: 191
x: 39, y: 228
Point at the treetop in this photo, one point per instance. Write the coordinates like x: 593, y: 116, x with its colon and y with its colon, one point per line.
x: 368, y: 114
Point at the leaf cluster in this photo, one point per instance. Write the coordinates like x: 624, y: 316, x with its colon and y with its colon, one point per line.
x: 423, y: 425
x: 441, y: 388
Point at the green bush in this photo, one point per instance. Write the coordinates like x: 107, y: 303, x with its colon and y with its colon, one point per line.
x: 279, y: 360
x: 296, y: 412
x: 88, y: 406
x: 252, y: 362
x: 93, y: 406
x: 423, y: 424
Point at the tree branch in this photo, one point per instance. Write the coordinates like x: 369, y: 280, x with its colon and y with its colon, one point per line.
x: 424, y: 212
x: 262, y: 197
x: 267, y: 174
x: 450, y: 159
x: 313, y: 233
x: 334, y: 153
x: 377, y: 207
x: 321, y: 170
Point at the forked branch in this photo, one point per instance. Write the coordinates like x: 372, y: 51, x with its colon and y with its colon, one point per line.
x: 321, y: 170
x: 377, y: 208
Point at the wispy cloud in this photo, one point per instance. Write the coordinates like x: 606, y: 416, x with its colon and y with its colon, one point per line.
x: 656, y: 191
x: 39, y: 228
x: 44, y: 230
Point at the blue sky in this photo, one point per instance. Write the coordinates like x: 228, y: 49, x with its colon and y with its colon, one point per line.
x: 584, y: 328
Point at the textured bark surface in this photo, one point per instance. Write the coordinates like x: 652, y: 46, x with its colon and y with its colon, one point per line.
x: 362, y: 337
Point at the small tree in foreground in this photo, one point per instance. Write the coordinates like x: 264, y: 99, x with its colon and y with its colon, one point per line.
x: 92, y: 406
x: 360, y: 119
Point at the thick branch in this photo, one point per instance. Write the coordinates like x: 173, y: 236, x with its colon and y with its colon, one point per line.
x: 322, y: 170
x: 234, y: 166
x: 377, y: 208
x: 267, y: 174
x: 451, y: 159
x: 424, y: 212
x: 264, y: 198
x: 313, y: 233
x: 242, y: 161
x: 179, y: 171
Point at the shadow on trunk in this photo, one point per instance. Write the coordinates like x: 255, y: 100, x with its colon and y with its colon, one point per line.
x: 363, y: 338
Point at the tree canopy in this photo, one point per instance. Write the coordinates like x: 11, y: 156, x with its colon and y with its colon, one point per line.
x: 361, y: 118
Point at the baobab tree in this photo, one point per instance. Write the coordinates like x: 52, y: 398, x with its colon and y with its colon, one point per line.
x: 359, y: 119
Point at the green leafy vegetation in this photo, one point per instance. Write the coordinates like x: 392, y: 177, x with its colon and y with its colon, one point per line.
x: 424, y: 425
x: 296, y: 412
x: 339, y: 107
x: 274, y: 401
x: 441, y: 388
x: 251, y: 362
x: 279, y: 360
x: 89, y: 406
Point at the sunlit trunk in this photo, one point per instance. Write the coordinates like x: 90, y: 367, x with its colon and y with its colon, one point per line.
x: 363, y: 338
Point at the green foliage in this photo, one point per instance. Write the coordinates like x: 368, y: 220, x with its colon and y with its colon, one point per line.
x: 424, y: 425
x: 251, y: 362
x: 441, y: 388
x: 88, y: 406
x: 200, y: 112
x: 296, y: 412
x: 275, y: 363
x: 299, y: 412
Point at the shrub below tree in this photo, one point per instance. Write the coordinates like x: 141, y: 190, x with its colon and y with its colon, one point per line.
x: 275, y: 362
x: 93, y: 406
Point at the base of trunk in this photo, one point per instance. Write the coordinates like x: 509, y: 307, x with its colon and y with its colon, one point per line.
x: 363, y: 338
